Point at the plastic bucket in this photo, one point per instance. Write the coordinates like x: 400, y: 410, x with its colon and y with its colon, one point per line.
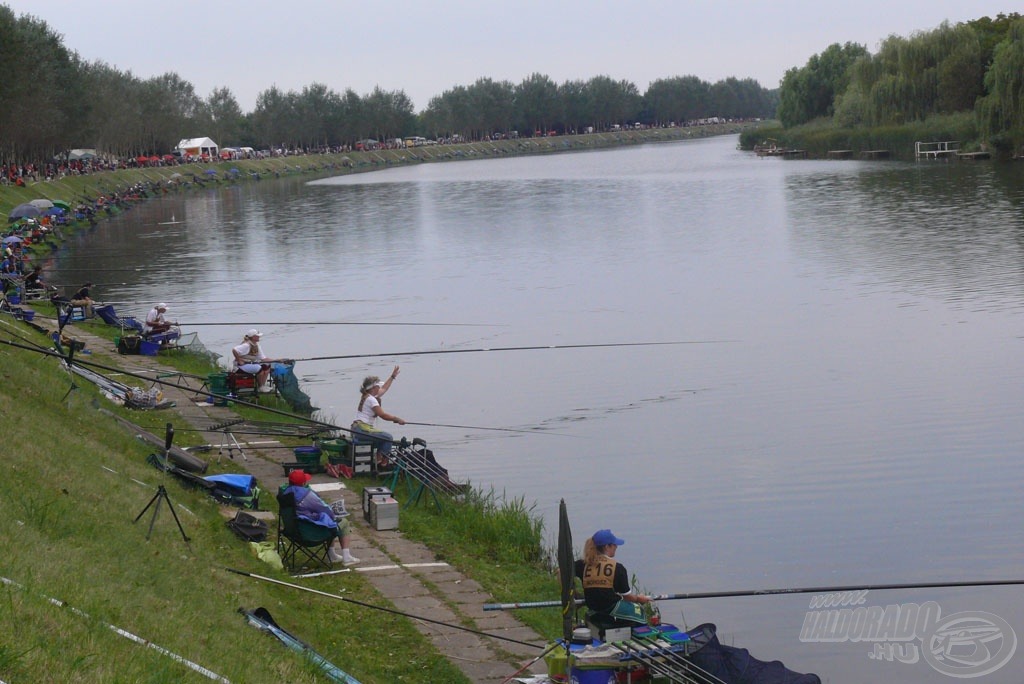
x: 307, y: 455
x: 147, y: 348
x: 578, y: 676
x: 218, y: 384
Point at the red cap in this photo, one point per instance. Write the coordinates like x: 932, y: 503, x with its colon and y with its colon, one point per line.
x: 299, y: 477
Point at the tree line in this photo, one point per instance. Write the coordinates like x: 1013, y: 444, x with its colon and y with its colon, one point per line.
x: 51, y: 100
x: 975, y: 67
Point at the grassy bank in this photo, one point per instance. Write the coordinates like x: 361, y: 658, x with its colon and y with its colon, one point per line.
x: 820, y: 137
x: 75, y: 483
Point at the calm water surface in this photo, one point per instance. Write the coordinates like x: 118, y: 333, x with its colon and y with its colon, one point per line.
x: 846, y: 409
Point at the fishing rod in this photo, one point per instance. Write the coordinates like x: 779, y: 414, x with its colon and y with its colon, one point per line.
x: 209, y: 674
x: 500, y: 349
x: 477, y: 427
x: 380, y: 608
x: 257, y: 323
x: 771, y: 592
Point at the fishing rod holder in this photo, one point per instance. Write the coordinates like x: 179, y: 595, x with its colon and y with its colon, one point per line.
x: 228, y: 441
x: 155, y: 503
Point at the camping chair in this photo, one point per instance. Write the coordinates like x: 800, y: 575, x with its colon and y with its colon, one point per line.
x: 300, y: 542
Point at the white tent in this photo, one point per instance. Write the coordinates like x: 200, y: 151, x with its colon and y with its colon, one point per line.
x: 196, y: 147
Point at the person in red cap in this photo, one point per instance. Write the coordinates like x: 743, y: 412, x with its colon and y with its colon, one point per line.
x: 605, y: 580
x: 310, y: 507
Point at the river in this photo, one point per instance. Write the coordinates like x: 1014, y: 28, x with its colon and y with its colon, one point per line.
x: 843, y: 409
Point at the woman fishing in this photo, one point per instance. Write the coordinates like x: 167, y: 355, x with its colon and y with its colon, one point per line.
x: 606, y: 582
x: 369, y: 410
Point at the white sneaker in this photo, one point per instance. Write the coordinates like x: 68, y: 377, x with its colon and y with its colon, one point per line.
x: 334, y: 556
x: 352, y: 560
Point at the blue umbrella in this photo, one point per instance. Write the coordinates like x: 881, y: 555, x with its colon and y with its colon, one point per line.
x: 54, y: 211
x: 23, y: 211
x: 12, y: 239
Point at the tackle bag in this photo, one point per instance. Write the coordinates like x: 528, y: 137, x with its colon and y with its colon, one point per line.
x: 235, y: 490
x: 248, y: 527
x: 129, y: 344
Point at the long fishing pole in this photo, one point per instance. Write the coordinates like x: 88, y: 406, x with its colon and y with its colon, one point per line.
x: 380, y: 608
x: 477, y: 427
x: 397, y: 323
x: 501, y: 349
x: 209, y: 674
x: 771, y: 592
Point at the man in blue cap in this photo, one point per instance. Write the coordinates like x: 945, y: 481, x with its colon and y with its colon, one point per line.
x: 605, y: 580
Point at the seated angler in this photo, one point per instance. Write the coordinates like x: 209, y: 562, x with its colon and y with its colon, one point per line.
x: 311, y: 508
x: 606, y: 588
x: 155, y: 321
x: 249, y: 358
x: 83, y: 299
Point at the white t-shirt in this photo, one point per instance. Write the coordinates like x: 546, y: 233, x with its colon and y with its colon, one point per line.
x: 366, y: 414
x: 245, y: 349
x: 154, y: 318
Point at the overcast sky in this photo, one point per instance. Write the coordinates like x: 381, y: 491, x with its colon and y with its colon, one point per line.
x: 426, y: 47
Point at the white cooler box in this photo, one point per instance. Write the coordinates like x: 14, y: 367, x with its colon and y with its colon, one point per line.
x: 383, y: 513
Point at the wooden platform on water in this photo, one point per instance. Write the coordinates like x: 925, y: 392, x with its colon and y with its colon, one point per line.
x: 973, y: 156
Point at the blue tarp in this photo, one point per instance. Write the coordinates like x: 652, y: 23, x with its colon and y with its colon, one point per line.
x: 239, y: 485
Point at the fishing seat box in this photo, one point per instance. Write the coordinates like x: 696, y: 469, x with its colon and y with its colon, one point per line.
x: 383, y: 513
x: 357, y: 456
x: 371, y: 493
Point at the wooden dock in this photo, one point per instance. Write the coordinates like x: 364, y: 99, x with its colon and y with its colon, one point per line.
x: 973, y: 156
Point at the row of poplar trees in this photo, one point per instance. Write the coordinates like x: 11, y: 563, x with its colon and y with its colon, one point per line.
x: 52, y: 101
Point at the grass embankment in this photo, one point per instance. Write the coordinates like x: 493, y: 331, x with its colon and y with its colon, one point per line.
x: 818, y: 138
x: 67, y: 504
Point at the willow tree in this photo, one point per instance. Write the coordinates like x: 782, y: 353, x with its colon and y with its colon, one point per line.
x: 810, y: 92
x: 1001, y: 111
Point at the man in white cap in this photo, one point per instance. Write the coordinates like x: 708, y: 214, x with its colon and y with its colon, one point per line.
x: 249, y: 358
x: 155, y: 321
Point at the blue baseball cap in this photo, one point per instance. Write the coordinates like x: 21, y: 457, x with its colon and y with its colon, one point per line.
x: 605, y: 537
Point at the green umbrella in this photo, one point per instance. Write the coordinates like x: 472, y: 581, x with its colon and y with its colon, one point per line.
x: 62, y: 204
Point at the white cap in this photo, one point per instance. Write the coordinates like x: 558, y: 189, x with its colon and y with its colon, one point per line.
x: 161, y: 305
x: 253, y: 332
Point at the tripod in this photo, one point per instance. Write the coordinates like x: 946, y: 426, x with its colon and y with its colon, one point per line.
x: 158, y: 498
x: 162, y: 495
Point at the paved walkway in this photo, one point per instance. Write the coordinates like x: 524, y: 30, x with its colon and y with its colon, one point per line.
x: 403, y: 571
